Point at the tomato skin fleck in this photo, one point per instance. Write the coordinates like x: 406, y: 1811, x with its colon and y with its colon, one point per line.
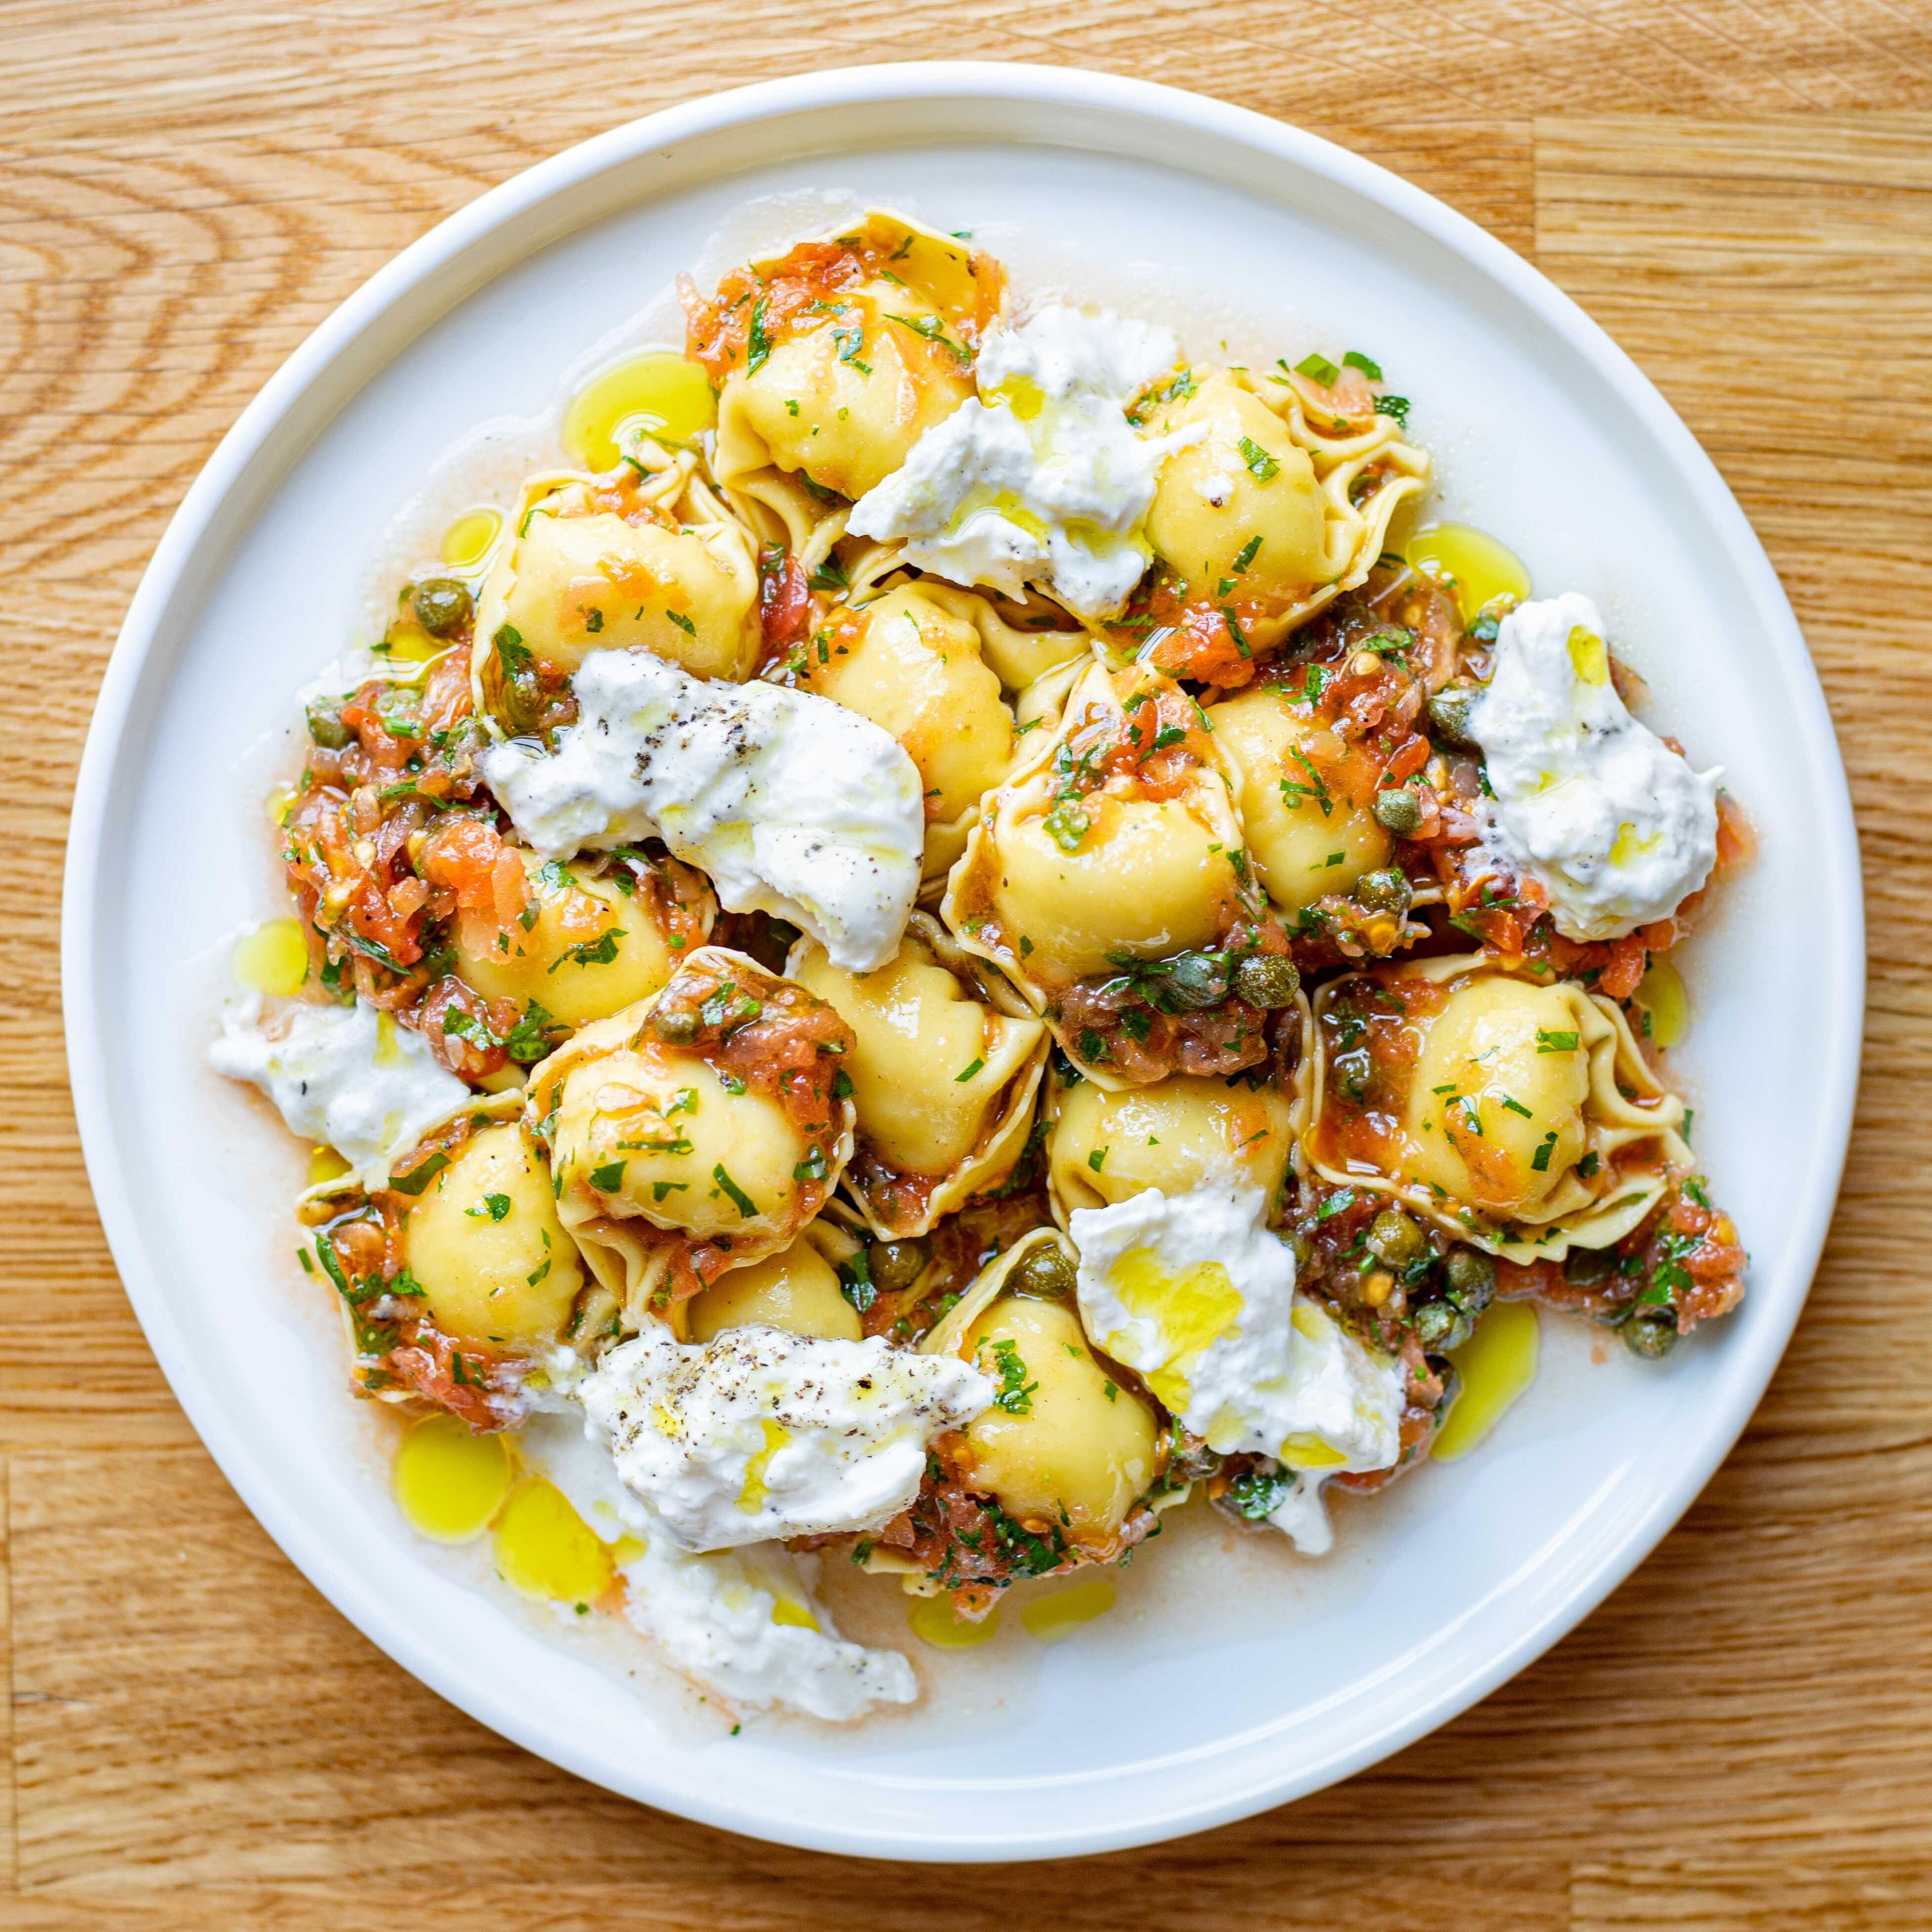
x: 785, y: 597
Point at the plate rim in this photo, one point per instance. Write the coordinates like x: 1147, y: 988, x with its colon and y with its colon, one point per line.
x: 276, y: 414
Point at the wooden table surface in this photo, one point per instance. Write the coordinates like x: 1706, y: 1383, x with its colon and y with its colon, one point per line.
x: 1741, y: 191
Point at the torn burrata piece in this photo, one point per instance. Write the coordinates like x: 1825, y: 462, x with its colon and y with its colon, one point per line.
x: 348, y: 1077
x: 1615, y: 825
x: 745, y: 1623
x: 761, y: 1433
x: 793, y: 805
x: 1042, y: 479
x: 1193, y: 1291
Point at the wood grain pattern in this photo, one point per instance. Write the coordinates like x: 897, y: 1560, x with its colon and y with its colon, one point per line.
x: 1741, y: 191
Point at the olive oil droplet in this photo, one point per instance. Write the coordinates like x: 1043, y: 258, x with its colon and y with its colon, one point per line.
x: 932, y: 1620
x: 273, y: 958
x: 1052, y: 1618
x: 325, y: 1164
x: 449, y: 1482
x: 544, y: 1548
x: 1496, y: 1364
x: 1468, y: 563
x: 668, y: 397
x: 467, y: 541
x: 1660, y: 993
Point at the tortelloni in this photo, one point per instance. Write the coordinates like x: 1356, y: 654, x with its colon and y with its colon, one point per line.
x: 1274, y: 510
x: 1515, y: 1112
x: 834, y: 359
x: 945, y: 1065
x: 1117, y: 843
x: 1305, y: 796
x: 797, y: 1289
x: 1069, y: 1446
x: 914, y: 668
x: 696, y: 1132
x: 1178, y: 1134
x: 485, y: 1246
x: 594, y: 942
x: 589, y: 567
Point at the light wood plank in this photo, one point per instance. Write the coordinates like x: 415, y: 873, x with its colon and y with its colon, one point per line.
x: 1740, y: 1736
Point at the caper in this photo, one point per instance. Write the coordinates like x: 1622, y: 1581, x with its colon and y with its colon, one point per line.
x: 1442, y: 1325
x: 1397, y: 809
x: 895, y: 1264
x: 1470, y: 1277
x: 521, y: 703
x: 677, y: 1026
x: 442, y: 605
x: 1388, y: 890
x: 1449, y: 712
x: 1393, y: 1237
x: 1197, y: 979
x: 1589, y: 1267
x: 1266, y: 979
x: 1650, y: 1333
x: 1045, y: 1274
x: 326, y: 727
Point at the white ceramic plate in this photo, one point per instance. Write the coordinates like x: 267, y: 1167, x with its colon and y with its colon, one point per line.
x: 1547, y: 434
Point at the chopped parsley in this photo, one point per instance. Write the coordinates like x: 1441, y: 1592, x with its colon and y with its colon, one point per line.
x: 1547, y: 1041
x: 601, y: 951
x: 1255, y: 1495
x: 419, y: 1178
x: 1355, y: 359
x: 757, y: 343
x: 1261, y: 466
x: 1317, y: 368
x: 1014, y: 1394
x: 746, y: 1206
x: 494, y: 1206
x: 608, y: 1178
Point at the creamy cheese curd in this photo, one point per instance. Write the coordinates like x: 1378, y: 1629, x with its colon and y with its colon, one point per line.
x: 347, y: 1076
x: 740, y: 1622
x: 1302, y: 1516
x: 1042, y: 479
x: 743, y: 1623
x: 793, y: 805
x: 761, y: 1433
x: 1194, y: 1292
x: 1616, y: 826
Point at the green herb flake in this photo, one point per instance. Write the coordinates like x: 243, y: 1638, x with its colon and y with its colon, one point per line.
x: 1066, y: 824
x: 1015, y: 1394
x: 608, y: 1178
x: 747, y: 1207
x: 1262, y: 467
x: 757, y: 343
x: 1355, y: 359
x: 1317, y: 368
x: 1547, y: 1041
x: 601, y: 951
x: 977, y: 1066
x: 413, y: 1182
